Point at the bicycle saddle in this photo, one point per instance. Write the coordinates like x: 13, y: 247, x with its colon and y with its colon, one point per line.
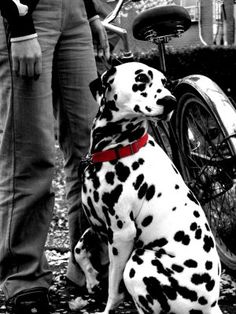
x: 168, y: 20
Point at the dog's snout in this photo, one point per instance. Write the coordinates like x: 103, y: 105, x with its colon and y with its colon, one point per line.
x: 168, y: 102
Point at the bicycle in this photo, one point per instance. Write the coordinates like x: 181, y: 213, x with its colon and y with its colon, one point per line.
x: 201, y: 135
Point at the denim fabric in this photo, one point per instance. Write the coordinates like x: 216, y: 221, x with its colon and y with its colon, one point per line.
x: 27, y: 141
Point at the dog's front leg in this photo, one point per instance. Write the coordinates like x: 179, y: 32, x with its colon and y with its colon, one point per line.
x: 82, y: 257
x: 120, y: 249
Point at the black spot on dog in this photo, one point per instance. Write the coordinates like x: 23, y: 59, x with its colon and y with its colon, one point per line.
x: 198, y: 234
x: 96, y: 196
x: 190, y: 263
x: 202, y: 301
x: 131, y: 216
x: 110, y: 177
x: 147, y: 221
x: 214, y: 304
x: 137, y: 109
x: 135, y: 165
x: 110, y: 199
x: 110, y: 235
x: 148, y: 109
x: 144, y: 95
x: 119, y: 224
x: 180, y: 236
x: 207, y: 227
x: 196, y: 312
x: 150, y: 192
x: 141, y: 161
x: 196, y: 214
x: 138, y: 71
x: 140, y: 252
x: 151, y: 143
x: 205, y: 278
x: 77, y: 250
x: 132, y: 273
x: 193, y: 226
x: 138, y: 163
x: 139, y: 87
x: 208, y: 265
x: 137, y: 259
x: 177, y: 268
x: 176, y: 186
x: 122, y: 171
x: 174, y: 208
x: 144, y: 304
x: 210, y: 285
x: 183, y: 291
x: 138, y: 182
x: 115, y: 251
x: 156, y: 243
x: 208, y: 243
x: 154, y: 289
x: 108, y: 108
x: 139, y: 244
x: 159, y: 195
x: 169, y: 292
x: 142, y: 191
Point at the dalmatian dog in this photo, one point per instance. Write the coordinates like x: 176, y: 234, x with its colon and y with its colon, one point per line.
x: 159, y: 241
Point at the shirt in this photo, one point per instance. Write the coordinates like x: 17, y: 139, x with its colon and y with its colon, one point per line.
x: 18, y: 14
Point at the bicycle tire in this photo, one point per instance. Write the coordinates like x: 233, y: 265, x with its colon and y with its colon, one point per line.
x: 207, y: 163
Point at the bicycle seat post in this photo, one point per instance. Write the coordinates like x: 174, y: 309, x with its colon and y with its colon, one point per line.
x: 162, y: 55
x: 159, y: 24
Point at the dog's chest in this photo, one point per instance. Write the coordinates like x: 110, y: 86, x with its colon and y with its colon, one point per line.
x: 130, y: 184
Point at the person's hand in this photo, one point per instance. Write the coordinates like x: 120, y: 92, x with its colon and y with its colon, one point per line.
x: 100, y: 38
x: 27, y: 58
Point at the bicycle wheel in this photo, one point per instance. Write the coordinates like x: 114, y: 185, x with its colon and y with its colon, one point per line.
x: 208, y: 165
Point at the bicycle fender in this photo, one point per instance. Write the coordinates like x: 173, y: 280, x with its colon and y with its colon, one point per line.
x: 218, y: 102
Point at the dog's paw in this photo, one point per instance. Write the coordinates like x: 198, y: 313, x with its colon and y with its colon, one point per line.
x: 78, y: 304
x: 113, y: 303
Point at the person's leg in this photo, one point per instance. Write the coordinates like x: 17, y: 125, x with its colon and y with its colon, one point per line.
x: 26, y: 164
x: 76, y: 68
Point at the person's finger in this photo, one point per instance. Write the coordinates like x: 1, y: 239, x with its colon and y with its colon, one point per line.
x: 15, y: 65
x: 23, y: 68
x: 38, y: 67
x: 30, y: 68
x: 106, y: 47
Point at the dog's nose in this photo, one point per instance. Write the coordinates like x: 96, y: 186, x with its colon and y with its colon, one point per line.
x: 168, y: 103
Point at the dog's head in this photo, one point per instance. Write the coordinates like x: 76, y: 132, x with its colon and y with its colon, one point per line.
x: 134, y: 89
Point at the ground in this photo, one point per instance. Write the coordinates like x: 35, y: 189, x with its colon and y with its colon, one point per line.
x: 57, y: 251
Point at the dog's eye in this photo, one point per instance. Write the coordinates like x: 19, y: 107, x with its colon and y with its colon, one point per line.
x: 143, y: 78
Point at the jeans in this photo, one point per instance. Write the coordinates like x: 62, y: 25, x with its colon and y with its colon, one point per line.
x: 27, y: 108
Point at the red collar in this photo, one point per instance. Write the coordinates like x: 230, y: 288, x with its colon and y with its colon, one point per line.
x: 121, y: 152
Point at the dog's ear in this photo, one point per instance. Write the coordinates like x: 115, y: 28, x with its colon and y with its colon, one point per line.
x: 96, y: 87
x: 107, y: 75
x: 99, y: 85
